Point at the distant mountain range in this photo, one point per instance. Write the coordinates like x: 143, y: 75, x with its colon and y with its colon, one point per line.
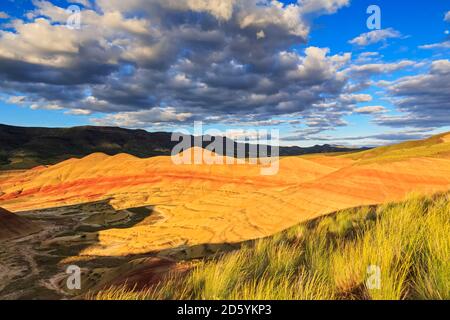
x: 24, y: 148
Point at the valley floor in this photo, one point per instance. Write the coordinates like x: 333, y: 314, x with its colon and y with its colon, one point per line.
x: 34, y: 266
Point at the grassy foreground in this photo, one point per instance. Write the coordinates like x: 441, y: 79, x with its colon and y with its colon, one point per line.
x: 336, y: 257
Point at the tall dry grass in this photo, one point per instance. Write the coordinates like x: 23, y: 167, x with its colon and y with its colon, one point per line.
x: 329, y: 258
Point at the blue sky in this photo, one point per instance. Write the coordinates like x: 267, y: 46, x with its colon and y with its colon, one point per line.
x: 279, y: 84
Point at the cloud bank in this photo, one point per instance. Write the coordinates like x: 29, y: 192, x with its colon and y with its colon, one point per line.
x: 144, y: 63
x: 172, y: 61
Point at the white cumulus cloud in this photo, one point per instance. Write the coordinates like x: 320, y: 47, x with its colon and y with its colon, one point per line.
x: 375, y: 36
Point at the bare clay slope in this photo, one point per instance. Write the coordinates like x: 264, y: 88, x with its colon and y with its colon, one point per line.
x: 13, y: 226
x: 227, y: 203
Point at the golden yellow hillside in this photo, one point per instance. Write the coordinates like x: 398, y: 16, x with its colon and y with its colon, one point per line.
x: 215, y: 204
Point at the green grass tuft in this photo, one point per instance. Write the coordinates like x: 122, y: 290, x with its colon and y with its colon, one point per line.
x: 329, y: 258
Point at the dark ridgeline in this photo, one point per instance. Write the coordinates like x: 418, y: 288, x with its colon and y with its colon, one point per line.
x: 23, y: 148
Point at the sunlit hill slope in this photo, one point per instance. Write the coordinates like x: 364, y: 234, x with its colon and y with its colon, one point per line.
x: 227, y: 203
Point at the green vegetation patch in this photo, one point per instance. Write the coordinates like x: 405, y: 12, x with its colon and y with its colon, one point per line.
x: 432, y: 147
x: 330, y: 258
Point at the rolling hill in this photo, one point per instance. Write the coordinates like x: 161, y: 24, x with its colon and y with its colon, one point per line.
x: 13, y: 226
x: 323, y: 259
x: 216, y: 204
x: 25, y: 148
x: 436, y: 146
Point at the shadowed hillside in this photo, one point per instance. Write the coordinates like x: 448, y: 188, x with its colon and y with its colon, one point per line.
x: 13, y: 226
x: 24, y: 148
